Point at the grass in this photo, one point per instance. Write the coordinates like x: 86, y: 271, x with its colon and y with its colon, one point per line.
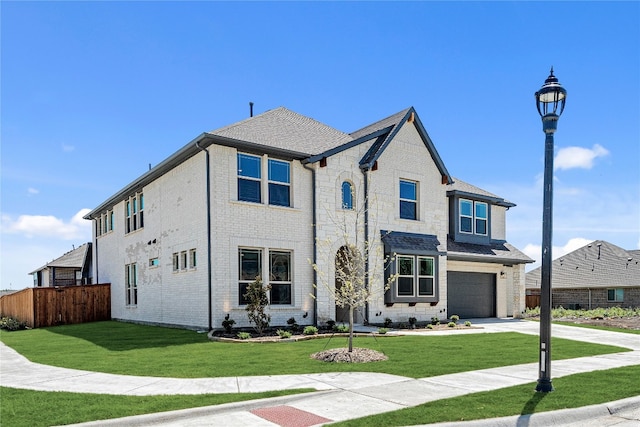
x: 604, y: 328
x: 126, y: 348
x: 29, y: 408
x: 570, y: 392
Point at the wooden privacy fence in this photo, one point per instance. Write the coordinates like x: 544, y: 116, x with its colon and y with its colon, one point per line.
x: 40, y: 307
x: 532, y: 301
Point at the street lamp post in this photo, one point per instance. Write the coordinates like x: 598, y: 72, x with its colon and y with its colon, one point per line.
x: 550, y: 101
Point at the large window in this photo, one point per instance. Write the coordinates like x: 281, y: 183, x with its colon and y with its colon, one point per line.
x: 279, y: 278
x: 249, y: 178
x: 250, y: 263
x: 615, y: 295
x: 131, y: 284
x: 104, y: 223
x: 279, y: 183
x: 134, y: 213
x: 474, y: 217
x: 347, y: 195
x: 412, y: 270
x: 408, y: 199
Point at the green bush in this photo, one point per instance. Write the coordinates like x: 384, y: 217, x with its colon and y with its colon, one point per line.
x: 227, y: 324
x: 387, y: 322
x: 451, y: 324
x: 467, y: 323
x: 382, y: 331
x: 310, y: 330
x: 244, y: 335
x: 330, y: 324
x: 429, y: 326
x: 11, y: 324
x: 454, y: 318
x: 283, y: 334
x: 341, y: 328
x: 435, y: 320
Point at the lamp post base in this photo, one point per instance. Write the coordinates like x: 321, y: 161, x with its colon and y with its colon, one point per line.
x: 544, y: 385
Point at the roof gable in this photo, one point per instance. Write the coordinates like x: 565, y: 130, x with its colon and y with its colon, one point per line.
x: 72, y: 259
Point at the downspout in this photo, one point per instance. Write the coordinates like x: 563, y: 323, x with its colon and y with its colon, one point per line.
x: 208, y: 185
x: 366, y: 239
x: 315, y: 243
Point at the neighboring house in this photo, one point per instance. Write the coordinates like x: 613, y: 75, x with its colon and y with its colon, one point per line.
x: 180, y: 244
x: 73, y: 268
x: 599, y: 274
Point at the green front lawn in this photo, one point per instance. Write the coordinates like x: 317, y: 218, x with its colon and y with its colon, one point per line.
x: 29, y: 408
x: 572, y: 391
x: 131, y: 349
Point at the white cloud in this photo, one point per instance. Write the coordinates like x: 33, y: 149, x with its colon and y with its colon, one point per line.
x: 68, y: 148
x: 32, y: 190
x: 48, y: 226
x: 578, y: 157
x: 535, y: 251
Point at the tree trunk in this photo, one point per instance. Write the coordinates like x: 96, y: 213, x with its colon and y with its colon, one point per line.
x: 350, y: 328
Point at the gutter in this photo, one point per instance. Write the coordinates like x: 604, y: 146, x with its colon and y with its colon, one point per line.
x: 207, y: 174
x: 315, y: 243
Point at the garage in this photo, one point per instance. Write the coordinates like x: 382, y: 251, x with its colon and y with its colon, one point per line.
x: 471, y: 294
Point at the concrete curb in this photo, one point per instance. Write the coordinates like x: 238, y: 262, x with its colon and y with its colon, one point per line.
x: 159, y: 418
x: 563, y: 417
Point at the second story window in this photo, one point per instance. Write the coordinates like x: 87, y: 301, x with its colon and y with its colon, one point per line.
x: 134, y: 213
x: 474, y: 217
x: 249, y: 178
x: 408, y: 199
x: 347, y: 195
x: 279, y: 183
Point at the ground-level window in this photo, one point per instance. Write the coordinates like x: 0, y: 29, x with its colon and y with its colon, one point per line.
x: 131, y: 284
x: 615, y: 295
x: 279, y: 278
x: 414, y: 270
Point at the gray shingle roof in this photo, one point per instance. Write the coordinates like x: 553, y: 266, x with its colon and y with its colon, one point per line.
x: 410, y: 243
x: 284, y: 129
x: 390, y: 121
x: 459, y: 186
x: 72, y: 259
x: 496, y: 252
x: 599, y: 264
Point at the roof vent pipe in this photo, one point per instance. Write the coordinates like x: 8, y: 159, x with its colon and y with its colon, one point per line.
x: 250, y: 109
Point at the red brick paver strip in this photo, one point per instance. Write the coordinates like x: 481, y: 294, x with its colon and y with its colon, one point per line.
x: 288, y: 416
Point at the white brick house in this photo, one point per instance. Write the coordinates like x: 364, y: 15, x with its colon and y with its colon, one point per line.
x: 179, y: 243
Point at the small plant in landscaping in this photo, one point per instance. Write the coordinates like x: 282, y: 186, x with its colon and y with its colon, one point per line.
x: 227, y: 324
x: 331, y: 324
x: 292, y: 324
x: 412, y: 322
x: 283, y: 334
x: 310, y: 330
x: 382, y: 331
x: 342, y: 328
x: 387, y: 322
x: 11, y: 324
x: 244, y: 335
x: 451, y: 324
x: 429, y: 326
x: 435, y: 320
x: 467, y: 323
x: 257, y: 304
x: 454, y: 318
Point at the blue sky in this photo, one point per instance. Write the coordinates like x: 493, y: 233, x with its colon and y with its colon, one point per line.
x: 94, y: 92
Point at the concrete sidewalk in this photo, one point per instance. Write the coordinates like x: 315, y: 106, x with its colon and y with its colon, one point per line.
x: 341, y: 396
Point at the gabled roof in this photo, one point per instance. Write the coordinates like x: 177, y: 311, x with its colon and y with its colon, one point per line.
x: 496, y: 252
x: 72, y: 259
x: 284, y: 129
x: 464, y: 189
x: 599, y: 264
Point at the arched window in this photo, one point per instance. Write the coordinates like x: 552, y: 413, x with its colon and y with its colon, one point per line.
x: 347, y: 195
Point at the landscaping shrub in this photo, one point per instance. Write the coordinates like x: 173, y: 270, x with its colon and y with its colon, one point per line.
x: 342, y: 328
x: 227, y: 324
x: 283, y: 334
x: 310, y: 330
x: 451, y: 324
x: 382, y: 331
x: 244, y: 335
x: 454, y: 318
x: 11, y: 324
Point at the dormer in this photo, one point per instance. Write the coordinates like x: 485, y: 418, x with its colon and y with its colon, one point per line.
x: 471, y: 212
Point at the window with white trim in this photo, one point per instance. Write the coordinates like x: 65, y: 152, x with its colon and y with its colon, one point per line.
x: 279, y: 279
x: 249, y: 178
x: 474, y: 217
x: 408, y: 199
x: 192, y: 258
x: 183, y: 260
x: 134, y: 213
x: 131, y: 284
x: 279, y: 183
